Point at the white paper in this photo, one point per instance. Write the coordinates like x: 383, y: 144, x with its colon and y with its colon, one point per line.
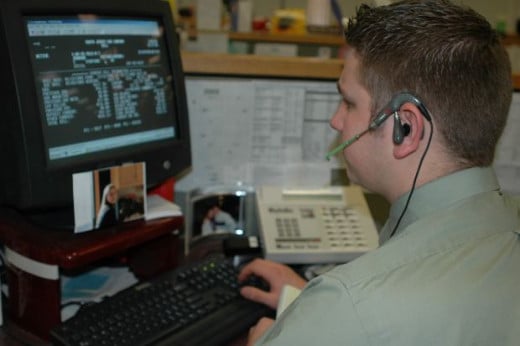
x: 83, y: 194
x: 258, y: 131
x: 262, y: 131
x: 158, y: 207
x: 92, y: 286
x: 288, y: 295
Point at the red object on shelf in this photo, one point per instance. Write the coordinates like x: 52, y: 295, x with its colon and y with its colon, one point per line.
x: 260, y: 24
x: 166, y: 190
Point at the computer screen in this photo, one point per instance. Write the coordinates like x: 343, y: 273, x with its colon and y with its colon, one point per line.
x: 88, y: 84
x: 101, y: 84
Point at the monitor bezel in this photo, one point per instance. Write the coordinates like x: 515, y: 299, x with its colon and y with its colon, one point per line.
x: 28, y: 167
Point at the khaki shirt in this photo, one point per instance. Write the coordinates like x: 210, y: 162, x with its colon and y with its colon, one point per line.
x: 449, y: 276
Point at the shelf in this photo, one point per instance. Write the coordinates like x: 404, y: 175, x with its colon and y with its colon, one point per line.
x: 36, y: 256
x: 68, y: 250
x: 315, y: 39
x: 269, y: 66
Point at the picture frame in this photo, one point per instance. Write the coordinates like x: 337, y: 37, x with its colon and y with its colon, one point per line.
x: 219, y: 211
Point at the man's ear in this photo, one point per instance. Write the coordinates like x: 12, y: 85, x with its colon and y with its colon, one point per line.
x: 412, y: 123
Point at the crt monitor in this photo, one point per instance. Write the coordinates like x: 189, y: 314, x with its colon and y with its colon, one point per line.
x: 87, y: 84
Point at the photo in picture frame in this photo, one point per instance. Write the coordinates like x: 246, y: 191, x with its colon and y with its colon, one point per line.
x: 218, y: 211
x: 109, y: 196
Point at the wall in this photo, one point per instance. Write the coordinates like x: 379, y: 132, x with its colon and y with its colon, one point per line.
x: 508, y: 10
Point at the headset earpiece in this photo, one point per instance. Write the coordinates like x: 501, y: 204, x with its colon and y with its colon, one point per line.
x: 399, y: 130
x: 402, y: 130
x: 406, y: 129
x: 404, y: 97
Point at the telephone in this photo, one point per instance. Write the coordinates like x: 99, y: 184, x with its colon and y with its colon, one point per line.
x: 326, y: 225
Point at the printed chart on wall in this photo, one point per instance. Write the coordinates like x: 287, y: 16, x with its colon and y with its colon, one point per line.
x: 260, y: 131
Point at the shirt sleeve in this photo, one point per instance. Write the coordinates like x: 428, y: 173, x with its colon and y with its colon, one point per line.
x: 323, y: 314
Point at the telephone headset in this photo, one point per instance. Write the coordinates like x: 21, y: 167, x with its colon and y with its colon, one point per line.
x: 392, y: 108
x: 400, y: 131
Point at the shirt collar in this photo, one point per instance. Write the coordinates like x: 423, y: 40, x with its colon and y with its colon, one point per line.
x: 438, y: 193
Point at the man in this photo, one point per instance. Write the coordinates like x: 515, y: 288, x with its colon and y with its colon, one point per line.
x: 426, y: 89
x: 218, y: 221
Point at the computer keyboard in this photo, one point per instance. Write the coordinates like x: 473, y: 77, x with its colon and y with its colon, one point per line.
x: 196, y: 304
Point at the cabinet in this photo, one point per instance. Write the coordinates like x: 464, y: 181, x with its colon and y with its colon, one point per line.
x: 35, y: 258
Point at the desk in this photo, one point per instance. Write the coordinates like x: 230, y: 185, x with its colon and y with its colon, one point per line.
x: 134, y: 240
x: 37, y: 256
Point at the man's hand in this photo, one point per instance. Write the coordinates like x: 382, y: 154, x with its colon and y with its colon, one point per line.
x: 275, y: 274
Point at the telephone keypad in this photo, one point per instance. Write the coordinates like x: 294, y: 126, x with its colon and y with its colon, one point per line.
x: 300, y: 227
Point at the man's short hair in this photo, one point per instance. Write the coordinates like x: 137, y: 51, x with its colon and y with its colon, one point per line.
x: 450, y: 57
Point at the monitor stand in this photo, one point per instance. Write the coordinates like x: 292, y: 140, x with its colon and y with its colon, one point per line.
x: 35, y: 257
x: 58, y: 219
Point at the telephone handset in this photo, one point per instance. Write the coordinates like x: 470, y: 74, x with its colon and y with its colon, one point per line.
x: 329, y: 225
